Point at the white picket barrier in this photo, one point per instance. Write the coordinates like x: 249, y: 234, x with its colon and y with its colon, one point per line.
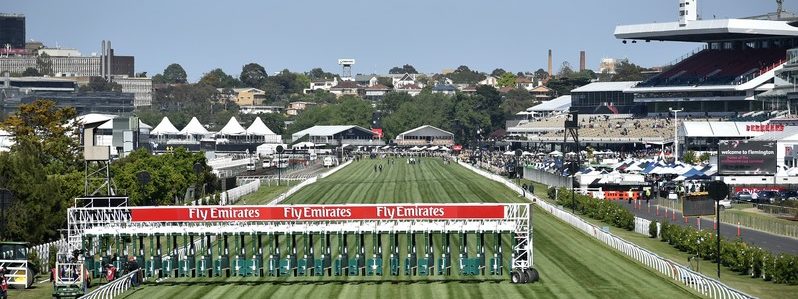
x: 232, y: 195
x: 702, y: 284
x: 113, y: 288
x: 309, y: 181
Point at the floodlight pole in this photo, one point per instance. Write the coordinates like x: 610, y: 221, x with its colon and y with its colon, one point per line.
x: 675, y: 133
x: 572, y: 128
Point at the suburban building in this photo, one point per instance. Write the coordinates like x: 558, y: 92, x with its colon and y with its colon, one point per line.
x: 321, y: 85
x: 345, y: 88
x: 141, y: 88
x: 425, y: 135
x: 295, y: 107
x: 12, y: 30
x: 490, y: 81
x: 338, y: 135
x: 376, y: 92
x: 244, y: 96
x: 446, y: 89
x: 525, y: 83
x: 255, y: 109
x: 411, y: 89
x: 541, y: 93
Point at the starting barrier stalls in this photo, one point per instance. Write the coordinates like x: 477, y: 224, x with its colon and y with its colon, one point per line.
x: 292, y: 240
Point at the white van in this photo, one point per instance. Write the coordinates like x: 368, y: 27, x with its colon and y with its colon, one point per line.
x: 251, y: 166
x: 328, y: 162
x: 267, y: 163
x: 280, y: 163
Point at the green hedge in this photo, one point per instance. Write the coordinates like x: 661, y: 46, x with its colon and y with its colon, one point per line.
x: 607, y: 211
x: 736, y: 255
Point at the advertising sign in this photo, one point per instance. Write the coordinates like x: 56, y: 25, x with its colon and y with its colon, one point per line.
x: 746, y: 157
x: 315, y: 213
x: 698, y: 206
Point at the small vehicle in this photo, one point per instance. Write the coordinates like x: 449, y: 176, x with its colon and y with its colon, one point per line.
x: 14, y: 260
x: 280, y: 163
x: 766, y: 196
x: 743, y: 196
x: 328, y: 162
x: 266, y: 164
x: 725, y: 204
x: 787, y: 195
x: 69, y: 280
x: 251, y: 166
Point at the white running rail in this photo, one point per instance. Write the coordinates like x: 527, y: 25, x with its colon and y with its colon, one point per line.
x: 702, y: 284
x: 113, y: 288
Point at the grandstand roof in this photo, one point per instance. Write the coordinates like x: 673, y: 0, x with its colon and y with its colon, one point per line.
x: 789, y: 134
x: 561, y: 103
x: 606, y: 86
x: 426, y: 130
x: 707, y: 30
x: 326, y: 131
x: 717, y: 129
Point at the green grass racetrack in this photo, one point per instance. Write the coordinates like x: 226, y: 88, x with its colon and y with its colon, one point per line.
x: 571, y: 264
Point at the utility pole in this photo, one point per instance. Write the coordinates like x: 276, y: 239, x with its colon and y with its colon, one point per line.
x: 675, y: 133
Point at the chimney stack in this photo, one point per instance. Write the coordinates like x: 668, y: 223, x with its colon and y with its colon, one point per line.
x: 550, y: 66
x: 108, y: 65
x: 102, y: 59
x: 582, y: 60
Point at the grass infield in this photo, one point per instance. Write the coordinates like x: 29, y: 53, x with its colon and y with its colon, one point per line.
x: 571, y: 264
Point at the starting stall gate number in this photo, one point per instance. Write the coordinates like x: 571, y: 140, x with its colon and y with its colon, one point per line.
x: 315, y: 213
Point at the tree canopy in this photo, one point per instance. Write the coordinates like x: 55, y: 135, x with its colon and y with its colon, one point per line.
x: 409, y: 69
x: 219, y: 79
x: 100, y: 84
x: 253, y: 75
x: 498, y: 72
x: 506, y: 80
x: 464, y: 75
x: 174, y: 74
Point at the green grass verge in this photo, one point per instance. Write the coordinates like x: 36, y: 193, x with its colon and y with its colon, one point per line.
x: 755, y: 287
x: 572, y: 265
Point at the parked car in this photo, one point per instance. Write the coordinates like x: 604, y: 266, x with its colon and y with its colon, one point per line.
x: 250, y: 166
x: 766, y: 196
x: 725, y: 204
x: 743, y: 196
x: 787, y: 195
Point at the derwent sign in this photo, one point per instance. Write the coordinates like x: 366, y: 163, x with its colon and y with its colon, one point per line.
x: 314, y: 213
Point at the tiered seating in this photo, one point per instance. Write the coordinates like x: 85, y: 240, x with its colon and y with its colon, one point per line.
x: 716, y: 67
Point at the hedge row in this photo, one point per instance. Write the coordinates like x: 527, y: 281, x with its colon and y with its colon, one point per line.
x: 738, y: 256
x: 599, y: 209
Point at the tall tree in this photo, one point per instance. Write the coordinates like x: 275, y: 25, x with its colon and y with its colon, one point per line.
x: 320, y: 74
x: 498, y: 72
x: 100, y: 84
x: 253, y: 75
x: 565, y: 70
x: 31, y: 72
x: 175, y: 74
x: 409, y: 69
x: 627, y: 71
x: 506, y: 80
x: 219, y: 79
x: 541, y: 74
x: 44, y: 64
x: 464, y: 75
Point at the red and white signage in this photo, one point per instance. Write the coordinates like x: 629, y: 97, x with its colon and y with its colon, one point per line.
x: 764, y: 128
x: 315, y: 213
x: 457, y: 147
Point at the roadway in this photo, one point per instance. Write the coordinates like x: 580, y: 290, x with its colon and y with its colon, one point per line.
x: 770, y: 242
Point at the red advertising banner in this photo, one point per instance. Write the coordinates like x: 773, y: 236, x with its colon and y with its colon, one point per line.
x: 315, y: 213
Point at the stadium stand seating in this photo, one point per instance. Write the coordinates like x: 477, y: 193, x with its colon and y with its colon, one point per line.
x: 717, y: 67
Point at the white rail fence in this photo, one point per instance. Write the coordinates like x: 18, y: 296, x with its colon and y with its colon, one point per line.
x: 309, y: 181
x: 232, y: 195
x: 702, y: 284
x: 113, y: 288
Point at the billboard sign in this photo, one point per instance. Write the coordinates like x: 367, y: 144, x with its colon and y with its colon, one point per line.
x: 315, y: 213
x: 701, y: 205
x: 746, y: 157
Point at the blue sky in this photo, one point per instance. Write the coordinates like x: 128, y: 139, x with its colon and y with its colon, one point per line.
x: 301, y: 34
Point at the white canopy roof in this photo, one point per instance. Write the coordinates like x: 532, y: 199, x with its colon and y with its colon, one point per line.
x: 259, y: 128
x: 165, y: 127
x: 194, y: 127
x: 232, y: 128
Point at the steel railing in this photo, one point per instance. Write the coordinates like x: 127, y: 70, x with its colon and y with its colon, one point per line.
x: 113, y: 288
x: 702, y: 284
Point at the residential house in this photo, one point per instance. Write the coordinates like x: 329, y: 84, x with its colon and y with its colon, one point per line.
x: 399, y: 81
x: 367, y: 80
x: 541, y: 93
x: 468, y: 89
x: 376, y: 92
x: 411, y: 89
x: 489, y: 80
x: 244, y: 96
x: 295, y: 107
x: 255, y: 109
x: 345, y: 88
x: 525, y: 83
x: 446, y: 89
x: 321, y: 85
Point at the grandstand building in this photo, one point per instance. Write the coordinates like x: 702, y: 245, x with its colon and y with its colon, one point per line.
x: 738, y: 60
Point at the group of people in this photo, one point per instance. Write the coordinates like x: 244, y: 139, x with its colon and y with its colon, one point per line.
x: 3, y: 284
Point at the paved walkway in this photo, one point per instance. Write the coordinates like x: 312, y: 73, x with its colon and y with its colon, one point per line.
x: 771, y: 242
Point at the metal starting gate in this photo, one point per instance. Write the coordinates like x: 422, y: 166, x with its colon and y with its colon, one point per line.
x: 240, y: 233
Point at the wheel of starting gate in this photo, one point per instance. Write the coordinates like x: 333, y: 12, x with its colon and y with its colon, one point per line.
x: 524, y: 276
x: 515, y: 277
x: 533, y: 274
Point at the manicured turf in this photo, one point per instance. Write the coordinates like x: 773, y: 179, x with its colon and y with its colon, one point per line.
x: 570, y: 263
